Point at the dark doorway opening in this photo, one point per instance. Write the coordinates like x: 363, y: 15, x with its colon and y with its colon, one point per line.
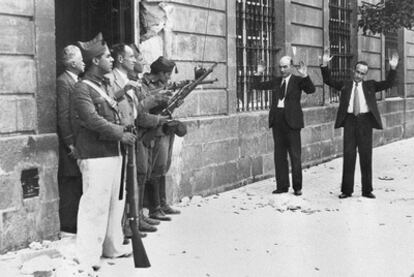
x: 82, y: 19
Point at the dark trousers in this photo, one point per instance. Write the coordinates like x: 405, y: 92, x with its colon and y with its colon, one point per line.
x: 70, y: 192
x: 357, y: 134
x: 286, y: 140
x: 155, y: 189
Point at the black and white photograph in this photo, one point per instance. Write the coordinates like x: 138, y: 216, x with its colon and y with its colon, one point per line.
x: 207, y: 138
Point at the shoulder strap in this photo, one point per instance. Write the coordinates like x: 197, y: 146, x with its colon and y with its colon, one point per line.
x: 102, y: 93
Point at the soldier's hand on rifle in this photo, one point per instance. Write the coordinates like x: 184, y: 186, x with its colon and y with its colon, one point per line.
x: 128, y: 138
x: 161, y: 99
x: 166, y: 92
x: 326, y: 58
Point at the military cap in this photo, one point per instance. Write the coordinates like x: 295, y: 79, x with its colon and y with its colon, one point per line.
x: 93, y: 48
x: 163, y: 65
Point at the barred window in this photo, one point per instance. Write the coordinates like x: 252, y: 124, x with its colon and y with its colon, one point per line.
x: 255, y: 28
x: 391, y: 47
x: 340, y: 41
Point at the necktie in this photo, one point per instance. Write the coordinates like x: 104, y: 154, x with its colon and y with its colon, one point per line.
x: 356, y: 100
x: 282, y: 90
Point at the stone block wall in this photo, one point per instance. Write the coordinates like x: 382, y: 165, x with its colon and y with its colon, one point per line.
x: 225, y: 149
x: 27, y: 122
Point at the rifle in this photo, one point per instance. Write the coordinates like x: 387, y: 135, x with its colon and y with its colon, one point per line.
x: 140, y: 255
x: 177, y: 99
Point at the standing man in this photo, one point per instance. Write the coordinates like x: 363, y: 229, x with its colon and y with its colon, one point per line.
x: 286, y: 121
x: 161, y: 146
x: 69, y: 176
x: 358, y: 114
x: 131, y: 111
x: 99, y: 144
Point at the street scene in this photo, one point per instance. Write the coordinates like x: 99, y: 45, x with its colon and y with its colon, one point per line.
x: 206, y: 138
x: 250, y: 232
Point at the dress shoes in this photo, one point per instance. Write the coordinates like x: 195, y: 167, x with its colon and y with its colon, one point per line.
x: 167, y: 209
x: 145, y: 227
x: 298, y: 192
x: 149, y: 220
x: 368, y: 195
x: 344, y: 195
x: 278, y: 191
x: 160, y: 215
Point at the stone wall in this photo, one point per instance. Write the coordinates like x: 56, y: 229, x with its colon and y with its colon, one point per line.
x: 225, y: 149
x: 27, y: 123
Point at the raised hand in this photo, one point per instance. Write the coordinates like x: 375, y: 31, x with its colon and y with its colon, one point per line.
x: 303, y: 69
x: 394, y: 61
x: 326, y: 57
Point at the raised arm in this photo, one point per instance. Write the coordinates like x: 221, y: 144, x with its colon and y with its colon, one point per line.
x: 326, y: 73
x: 390, y: 80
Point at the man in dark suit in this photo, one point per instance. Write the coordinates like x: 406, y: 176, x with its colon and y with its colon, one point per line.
x: 69, y: 176
x: 286, y: 121
x: 358, y: 115
x: 98, y: 142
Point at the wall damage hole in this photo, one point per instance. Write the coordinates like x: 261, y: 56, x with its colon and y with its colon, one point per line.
x: 30, y: 182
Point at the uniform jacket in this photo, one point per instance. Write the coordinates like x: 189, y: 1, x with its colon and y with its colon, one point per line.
x: 100, y: 130
x: 293, y: 110
x: 370, y: 87
x: 66, y: 124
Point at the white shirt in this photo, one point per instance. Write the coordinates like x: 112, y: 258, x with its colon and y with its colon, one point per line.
x: 73, y: 75
x: 363, y: 107
x: 130, y: 92
x: 281, y: 103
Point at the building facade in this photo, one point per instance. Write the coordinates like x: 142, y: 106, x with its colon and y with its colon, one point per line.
x: 228, y: 142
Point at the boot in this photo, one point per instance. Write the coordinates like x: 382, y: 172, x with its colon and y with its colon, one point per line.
x: 167, y: 209
x: 145, y: 227
x: 155, y: 211
x: 147, y: 219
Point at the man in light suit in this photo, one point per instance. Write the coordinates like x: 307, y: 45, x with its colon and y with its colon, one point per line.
x: 69, y: 176
x: 286, y: 121
x: 131, y: 112
x: 358, y: 114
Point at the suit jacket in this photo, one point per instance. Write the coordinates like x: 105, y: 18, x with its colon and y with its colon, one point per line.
x: 100, y: 129
x: 66, y: 124
x: 370, y: 87
x: 293, y: 110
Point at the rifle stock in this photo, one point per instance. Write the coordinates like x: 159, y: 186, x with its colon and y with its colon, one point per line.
x: 140, y: 255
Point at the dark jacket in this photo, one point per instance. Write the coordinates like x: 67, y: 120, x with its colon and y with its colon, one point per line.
x: 293, y: 110
x: 100, y: 129
x: 370, y: 87
x: 66, y: 124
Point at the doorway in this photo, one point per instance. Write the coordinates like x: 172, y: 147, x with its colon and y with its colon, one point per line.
x: 81, y: 20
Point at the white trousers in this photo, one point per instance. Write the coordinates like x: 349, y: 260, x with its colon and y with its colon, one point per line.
x: 100, y: 211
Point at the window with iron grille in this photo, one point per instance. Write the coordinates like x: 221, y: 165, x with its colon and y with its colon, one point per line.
x: 255, y: 29
x: 391, y: 47
x: 340, y: 12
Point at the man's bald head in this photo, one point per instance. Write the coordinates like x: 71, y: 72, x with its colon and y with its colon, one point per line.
x: 285, y: 66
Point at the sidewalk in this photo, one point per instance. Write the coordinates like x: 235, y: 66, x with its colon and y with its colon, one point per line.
x: 250, y: 232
